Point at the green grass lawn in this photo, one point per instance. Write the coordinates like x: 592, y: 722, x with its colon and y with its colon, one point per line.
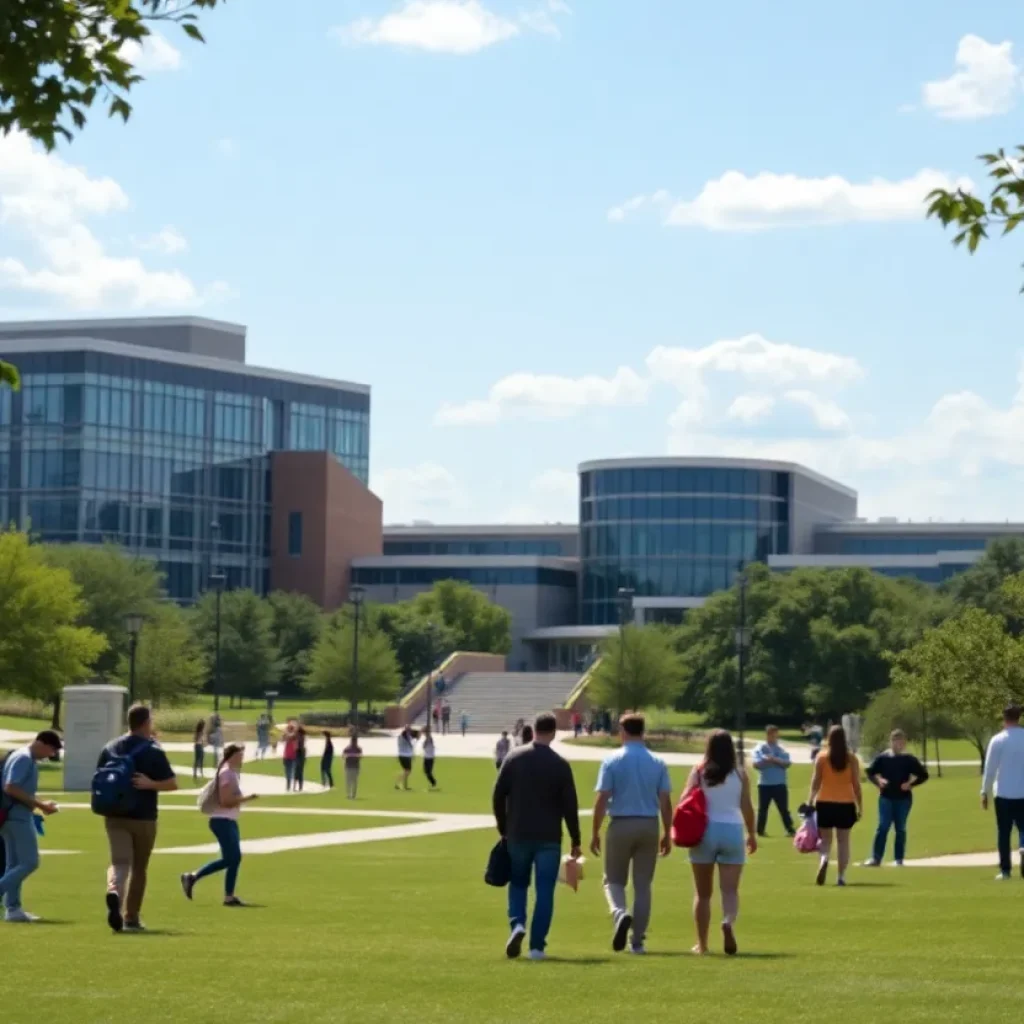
x: 659, y: 742
x: 376, y: 931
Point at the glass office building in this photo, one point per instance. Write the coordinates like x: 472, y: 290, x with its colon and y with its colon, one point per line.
x: 137, y: 433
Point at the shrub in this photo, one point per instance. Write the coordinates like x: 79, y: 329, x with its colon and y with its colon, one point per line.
x: 19, y: 707
x: 339, y: 720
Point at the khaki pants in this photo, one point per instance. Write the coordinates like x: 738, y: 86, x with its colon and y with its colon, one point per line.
x: 631, y: 841
x: 131, y: 846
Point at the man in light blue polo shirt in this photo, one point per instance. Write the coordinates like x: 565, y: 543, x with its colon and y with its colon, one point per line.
x: 633, y: 787
x: 771, y: 763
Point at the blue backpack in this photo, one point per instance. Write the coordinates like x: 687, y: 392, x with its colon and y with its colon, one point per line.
x: 113, y: 794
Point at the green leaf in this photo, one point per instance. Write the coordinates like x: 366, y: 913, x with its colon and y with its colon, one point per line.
x: 193, y: 32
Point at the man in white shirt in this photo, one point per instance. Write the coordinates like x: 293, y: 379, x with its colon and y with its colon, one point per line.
x: 1004, y: 769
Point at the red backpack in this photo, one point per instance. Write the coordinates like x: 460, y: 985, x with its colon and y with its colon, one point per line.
x: 690, y: 821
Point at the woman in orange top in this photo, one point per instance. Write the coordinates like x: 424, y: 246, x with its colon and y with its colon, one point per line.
x: 836, y: 798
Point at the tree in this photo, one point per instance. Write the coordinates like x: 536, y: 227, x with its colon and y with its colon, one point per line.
x: 297, y: 624
x: 42, y: 646
x: 974, y: 218
x: 112, y: 584
x: 981, y: 586
x: 892, y: 708
x: 968, y: 668
x: 639, y: 668
x: 9, y: 376
x: 169, y: 665
x: 330, y: 672
x: 418, y: 642
x: 249, y: 664
x: 472, y: 622
x: 60, y: 56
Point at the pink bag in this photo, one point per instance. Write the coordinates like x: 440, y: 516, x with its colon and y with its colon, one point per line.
x: 807, y: 839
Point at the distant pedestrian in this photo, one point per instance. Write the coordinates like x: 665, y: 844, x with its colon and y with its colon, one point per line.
x: 729, y: 810
x: 405, y: 756
x: 1004, y: 772
x: 223, y: 806
x: 633, y: 787
x: 577, y: 724
x: 446, y: 718
x: 352, y: 755
x: 464, y: 722
x: 771, y: 763
x: 527, y: 735
x: 435, y: 714
x: 19, y: 782
x: 896, y: 773
x: 131, y: 832
x: 327, y: 762
x: 215, y: 737
x: 837, y: 800
x: 291, y: 744
x: 262, y: 736
x: 501, y: 749
x: 517, y: 730
x: 300, y: 758
x: 534, y: 794
x: 198, y: 750
x: 814, y: 737
x: 429, y: 755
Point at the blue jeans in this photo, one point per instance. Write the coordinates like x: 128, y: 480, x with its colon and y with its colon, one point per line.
x: 545, y: 859
x: 21, y: 845
x: 892, y: 813
x: 226, y: 831
x: 289, y: 773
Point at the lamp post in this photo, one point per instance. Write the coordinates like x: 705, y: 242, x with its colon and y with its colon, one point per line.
x: 217, y: 581
x: 355, y: 596
x: 432, y: 631
x: 742, y: 646
x: 625, y: 596
x: 132, y: 626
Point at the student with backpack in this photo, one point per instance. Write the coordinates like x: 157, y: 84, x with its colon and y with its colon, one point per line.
x: 131, y: 773
x: 221, y: 801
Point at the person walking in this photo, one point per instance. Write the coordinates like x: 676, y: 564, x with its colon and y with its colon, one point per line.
x: 633, y: 788
x: 836, y: 797
x: 464, y: 722
x: 198, y: 750
x: 131, y: 834
x: 428, y: 758
x: 730, y: 810
x: 405, y: 756
x: 1004, y: 775
x: 771, y: 763
x: 291, y: 743
x: 223, y: 805
x: 300, y: 758
x: 352, y: 755
x: 327, y: 762
x: 435, y: 714
x: 534, y: 794
x: 19, y: 783
x: 501, y: 749
x: 262, y: 736
x: 896, y: 773
x: 216, y: 737
x: 446, y: 718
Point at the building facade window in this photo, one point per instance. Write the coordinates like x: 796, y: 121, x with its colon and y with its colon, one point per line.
x: 478, y: 577
x: 850, y: 544
x: 295, y: 534
x: 552, y: 548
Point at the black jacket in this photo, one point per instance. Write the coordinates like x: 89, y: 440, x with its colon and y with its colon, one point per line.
x: 534, y: 794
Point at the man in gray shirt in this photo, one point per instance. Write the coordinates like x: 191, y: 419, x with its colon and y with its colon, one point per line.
x: 19, y: 783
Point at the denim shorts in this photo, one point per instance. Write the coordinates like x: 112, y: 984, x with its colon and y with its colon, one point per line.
x: 723, y: 843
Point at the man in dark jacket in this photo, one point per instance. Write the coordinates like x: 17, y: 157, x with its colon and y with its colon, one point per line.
x: 535, y: 793
x: 895, y: 773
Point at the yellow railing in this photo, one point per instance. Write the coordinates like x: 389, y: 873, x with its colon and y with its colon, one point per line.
x: 419, y: 689
x: 580, y: 687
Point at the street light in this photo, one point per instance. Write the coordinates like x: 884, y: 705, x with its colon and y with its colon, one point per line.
x: 742, y: 646
x: 625, y: 613
x: 217, y: 581
x: 355, y: 596
x: 432, y: 631
x: 132, y: 626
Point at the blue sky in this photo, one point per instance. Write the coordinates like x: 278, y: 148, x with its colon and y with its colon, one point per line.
x: 546, y: 232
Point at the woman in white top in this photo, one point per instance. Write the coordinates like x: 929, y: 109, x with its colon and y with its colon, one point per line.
x: 428, y: 758
x: 222, y: 802
x: 406, y: 738
x: 727, y: 792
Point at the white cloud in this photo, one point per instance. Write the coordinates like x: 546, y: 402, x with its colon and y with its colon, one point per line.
x: 422, y: 492
x: 749, y: 408
x: 44, y: 206
x: 153, y: 55
x: 828, y: 414
x: 546, y: 396
x: 736, y: 202
x: 986, y: 82
x: 168, y: 240
x: 458, y: 27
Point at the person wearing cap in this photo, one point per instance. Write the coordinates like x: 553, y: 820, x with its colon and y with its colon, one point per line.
x: 18, y: 786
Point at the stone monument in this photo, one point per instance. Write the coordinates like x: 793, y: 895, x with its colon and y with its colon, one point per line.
x: 93, y: 716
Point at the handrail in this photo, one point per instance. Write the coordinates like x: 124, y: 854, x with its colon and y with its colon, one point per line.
x: 432, y: 675
x: 580, y: 687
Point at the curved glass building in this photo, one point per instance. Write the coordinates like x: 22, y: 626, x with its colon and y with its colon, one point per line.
x: 675, y: 530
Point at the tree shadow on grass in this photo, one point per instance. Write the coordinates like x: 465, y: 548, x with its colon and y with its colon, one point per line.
x: 152, y: 932
x: 45, y: 922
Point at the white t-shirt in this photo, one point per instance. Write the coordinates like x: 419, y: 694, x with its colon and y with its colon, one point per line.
x: 723, y: 800
x: 404, y: 745
x: 228, y: 782
x: 428, y: 746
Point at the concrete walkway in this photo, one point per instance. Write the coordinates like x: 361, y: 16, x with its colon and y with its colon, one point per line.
x: 957, y: 860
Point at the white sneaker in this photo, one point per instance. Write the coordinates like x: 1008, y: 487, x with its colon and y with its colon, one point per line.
x: 871, y: 863
x: 20, y: 917
x: 1003, y: 876
x: 538, y: 954
x: 514, y: 946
